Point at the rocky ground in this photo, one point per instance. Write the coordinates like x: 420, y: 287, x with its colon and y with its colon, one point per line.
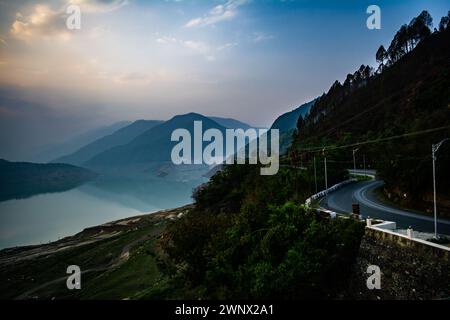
x: 107, y: 255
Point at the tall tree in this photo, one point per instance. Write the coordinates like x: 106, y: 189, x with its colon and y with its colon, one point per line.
x: 396, y: 48
x: 368, y: 72
x: 381, y: 56
x: 300, y: 123
x: 420, y: 27
x: 445, y: 22
x: 348, y: 80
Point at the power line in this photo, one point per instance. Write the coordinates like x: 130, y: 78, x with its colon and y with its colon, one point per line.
x: 410, y: 134
x: 377, y: 105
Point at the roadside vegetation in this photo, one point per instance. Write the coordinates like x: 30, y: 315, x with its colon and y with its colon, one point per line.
x: 391, y: 116
x: 250, y: 236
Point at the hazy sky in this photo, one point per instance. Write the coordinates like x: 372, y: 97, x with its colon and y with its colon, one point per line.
x: 247, y: 59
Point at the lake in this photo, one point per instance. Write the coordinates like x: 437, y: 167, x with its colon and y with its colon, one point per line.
x: 49, y: 217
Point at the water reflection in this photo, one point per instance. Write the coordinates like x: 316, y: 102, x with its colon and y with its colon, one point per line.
x: 48, y: 217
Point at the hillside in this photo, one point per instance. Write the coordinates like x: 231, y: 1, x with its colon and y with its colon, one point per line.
x: 117, y: 138
x: 152, y: 147
x: 51, y: 152
x: 230, y: 123
x: 249, y: 236
x: 22, y: 179
x: 410, y: 96
x: 287, y: 123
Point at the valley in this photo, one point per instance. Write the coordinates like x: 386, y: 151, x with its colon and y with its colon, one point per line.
x: 348, y: 186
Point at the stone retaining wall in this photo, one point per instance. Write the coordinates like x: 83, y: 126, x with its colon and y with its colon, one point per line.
x: 409, y: 269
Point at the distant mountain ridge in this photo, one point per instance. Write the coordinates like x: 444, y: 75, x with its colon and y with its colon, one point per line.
x: 287, y: 123
x: 152, y: 146
x: 122, y: 136
x: 23, y: 179
x: 144, y: 146
x: 71, y: 145
x: 288, y: 120
x: 231, y: 123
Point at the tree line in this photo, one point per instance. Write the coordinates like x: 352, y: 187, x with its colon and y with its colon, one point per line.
x: 407, y: 38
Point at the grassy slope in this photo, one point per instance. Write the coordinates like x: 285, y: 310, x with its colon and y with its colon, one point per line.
x: 110, y: 278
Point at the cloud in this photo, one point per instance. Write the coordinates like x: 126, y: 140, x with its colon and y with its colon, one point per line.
x: 261, y: 36
x: 132, y: 77
x: 219, y: 13
x: 98, y: 32
x: 166, y: 40
x: 43, y: 21
x: 3, y: 42
x: 227, y: 46
x: 196, y: 47
x: 92, y: 6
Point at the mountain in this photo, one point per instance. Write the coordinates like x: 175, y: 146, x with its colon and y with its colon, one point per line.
x: 151, y: 149
x: 288, y: 121
x: 50, y: 152
x: 117, y: 138
x: 405, y: 109
x: 230, y: 123
x: 23, y: 179
x: 249, y: 236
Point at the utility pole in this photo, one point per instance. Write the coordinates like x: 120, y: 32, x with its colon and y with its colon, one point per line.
x: 434, y: 150
x: 315, y: 173
x: 354, y: 159
x: 364, y: 159
x: 326, y: 176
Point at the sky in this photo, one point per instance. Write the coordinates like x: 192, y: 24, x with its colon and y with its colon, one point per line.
x: 251, y: 60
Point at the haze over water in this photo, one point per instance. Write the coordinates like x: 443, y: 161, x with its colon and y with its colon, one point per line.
x: 49, y: 217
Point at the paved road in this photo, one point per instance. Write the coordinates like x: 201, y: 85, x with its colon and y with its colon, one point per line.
x: 363, y: 193
x: 360, y: 172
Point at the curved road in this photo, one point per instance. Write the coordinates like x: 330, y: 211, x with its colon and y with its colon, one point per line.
x: 363, y: 193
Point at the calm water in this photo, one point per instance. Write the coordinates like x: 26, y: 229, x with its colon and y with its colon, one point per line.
x: 48, y: 217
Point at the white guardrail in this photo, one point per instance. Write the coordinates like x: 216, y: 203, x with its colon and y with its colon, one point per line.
x: 389, y: 227
x: 323, y: 193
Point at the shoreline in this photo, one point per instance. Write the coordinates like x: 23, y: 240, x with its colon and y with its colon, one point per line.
x: 102, y: 252
x: 89, y: 235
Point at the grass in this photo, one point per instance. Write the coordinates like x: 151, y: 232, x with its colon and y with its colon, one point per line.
x: 25, y: 274
x: 134, y: 275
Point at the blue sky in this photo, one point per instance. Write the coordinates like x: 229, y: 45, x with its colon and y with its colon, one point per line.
x: 132, y: 59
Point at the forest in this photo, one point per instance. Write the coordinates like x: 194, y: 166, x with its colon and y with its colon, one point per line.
x: 250, y: 236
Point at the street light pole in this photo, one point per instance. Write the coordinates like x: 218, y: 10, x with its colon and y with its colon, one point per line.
x: 354, y: 159
x: 326, y: 176
x: 315, y: 173
x: 364, y: 159
x: 434, y: 150
x: 434, y: 191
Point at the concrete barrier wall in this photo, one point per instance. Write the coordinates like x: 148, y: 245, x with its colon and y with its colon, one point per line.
x: 323, y: 193
x: 404, y: 239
